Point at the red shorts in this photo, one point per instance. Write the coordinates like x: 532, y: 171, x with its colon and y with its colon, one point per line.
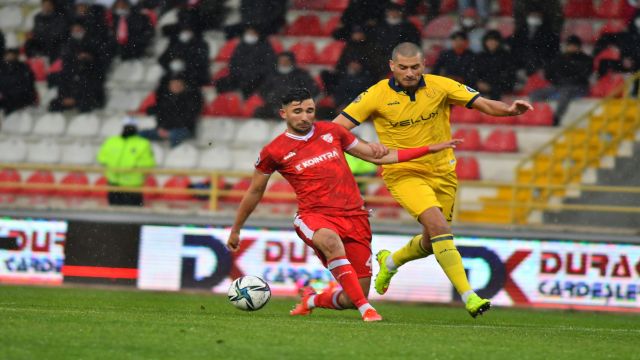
x: 354, y: 231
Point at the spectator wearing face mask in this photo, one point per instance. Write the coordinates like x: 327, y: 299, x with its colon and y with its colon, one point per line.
x: 252, y: 60
x: 81, y: 40
x: 495, y: 69
x: 50, y: 31
x: 132, y: 30
x: 627, y: 44
x: 352, y: 82
x: 17, y: 83
x: 534, y: 44
x: 457, y: 63
x: 396, y: 29
x: 550, y: 10
x: 81, y: 84
x: 433, y: 8
x: 187, y: 54
x: 287, y: 76
x: 471, y: 24
x: 482, y: 7
x: 93, y: 17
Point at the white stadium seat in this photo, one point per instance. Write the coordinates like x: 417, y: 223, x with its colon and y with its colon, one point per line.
x: 111, y: 127
x: 13, y: 150
x: 253, y: 131
x: 183, y: 156
x: 11, y: 17
x: 50, y: 124
x: 78, y: 153
x: 158, y: 152
x: 215, y: 158
x: 128, y: 72
x: 153, y: 75
x: 278, y: 129
x: 46, y: 151
x: 84, y: 125
x: 215, y: 131
x: 244, y: 159
x: 19, y: 122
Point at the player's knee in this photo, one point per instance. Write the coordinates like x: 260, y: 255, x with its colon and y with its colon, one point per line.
x: 330, y: 244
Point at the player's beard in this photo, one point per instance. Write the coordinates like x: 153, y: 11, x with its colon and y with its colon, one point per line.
x: 302, y: 128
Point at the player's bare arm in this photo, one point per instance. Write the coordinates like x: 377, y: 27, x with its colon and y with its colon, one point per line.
x: 499, y: 108
x: 379, y: 150
x: 248, y: 203
x: 364, y: 152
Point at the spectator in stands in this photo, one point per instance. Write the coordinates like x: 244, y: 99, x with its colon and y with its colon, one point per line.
x: 265, y: 16
x: 50, y: 31
x: 286, y: 76
x: 80, y: 83
x: 472, y: 25
x: 433, y: 8
x: 200, y: 16
x: 126, y: 151
x: 550, y: 10
x: 627, y: 44
x: 187, y: 54
x: 569, y: 75
x: 251, y: 61
x: 93, y: 16
x: 366, y: 14
x: 82, y: 41
x: 177, y: 110
x: 354, y: 81
x: 132, y: 30
x: 361, y: 168
x: 395, y: 29
x: 17, y: 83
x: 482, y: 7
x: 535, y: 43
x: 457, y: 63
x: 495, y: 70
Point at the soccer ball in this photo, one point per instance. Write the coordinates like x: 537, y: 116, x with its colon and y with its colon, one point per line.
x: 249, y: 293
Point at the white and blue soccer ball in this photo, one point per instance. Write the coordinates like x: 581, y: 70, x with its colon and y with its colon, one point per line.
x: 249, y: 293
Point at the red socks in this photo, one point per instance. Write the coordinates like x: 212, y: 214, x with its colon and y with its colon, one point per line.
x: 348, y: 279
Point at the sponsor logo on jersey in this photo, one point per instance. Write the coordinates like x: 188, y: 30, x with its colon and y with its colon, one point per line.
x: 470, y: 89
x: 289, y: 156
x: 410, y: 122
x: 304, y: 164
x: 357, y: 100
x: 394, y: 103
x: 327, y: 137
x: 258, y: 161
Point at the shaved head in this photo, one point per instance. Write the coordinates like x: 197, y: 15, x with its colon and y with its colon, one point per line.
x: 406, y: 49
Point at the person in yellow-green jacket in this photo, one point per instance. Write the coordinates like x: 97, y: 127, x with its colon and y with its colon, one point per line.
x: 126, y: 151
x: 360, y: 167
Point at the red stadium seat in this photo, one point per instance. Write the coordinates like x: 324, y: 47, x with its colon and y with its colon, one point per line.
x: 305, y: 25
x: 250, y: 106
x: 336, y: 5
x: 102, y: 181
x: 542, y: 115
x: 327, y: 102
x: 609, y: 9
x: 309, y: 4
x: 276, y: 44
x: 501, y: 141
x: 468, y: 168
x: 432, y: 54
x: 462, y: 115
x: 319, y: 82
x: 149, y: 101
x: 578, y: 9
x: 220, y: 74
x: 227, y: 50
x: 331, y: 25
x: 417, y: 22
x: 506, y: 7
x: 10, y: 176
x: 497, y: 120
x: 612, y: 27
x: 74, y: 178
x: 177, y: 182
x: 610, y: 53
x: 471, y: 138
x: 581, y: 28
x: 280, y: 187
x: 152, y: 15
x: 150, y: 182
x: 506, y: 28
x: 383, y: 192
x: 38, y: 66
x: 331, y: 53
x: 40, y: 177
x: 55, y: 67
x: 225, y: 104
x: 440, y: 27
x: 241, y: 185
x: 447, y: 6
x: 305, y: 52
x: 534, y: 82
x: 607, y: 85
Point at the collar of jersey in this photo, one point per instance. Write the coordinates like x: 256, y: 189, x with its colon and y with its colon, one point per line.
x: 301, y: 138
x: 398, y: 88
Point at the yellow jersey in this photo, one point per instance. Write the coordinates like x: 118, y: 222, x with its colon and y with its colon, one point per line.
x: 407, y: 120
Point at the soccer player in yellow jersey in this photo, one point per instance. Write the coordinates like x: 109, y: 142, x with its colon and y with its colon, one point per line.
x: 409, y: 110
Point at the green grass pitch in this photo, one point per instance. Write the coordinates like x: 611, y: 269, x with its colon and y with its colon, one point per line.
x: 81, y: 323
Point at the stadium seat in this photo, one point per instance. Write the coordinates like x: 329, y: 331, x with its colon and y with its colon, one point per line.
x: 101, y: 181
x: 432, y: 54
x: 336, y: 5
x: 147, y: 102
x: 18, y: 123
x: 331, y: 25
x: 153, y: 74
x: 215, y: 131
x: 158, y: 152
x: 610, y: 53
x: 416, y: 21
x: 244, y: 159
x: 150, y: 182
x: 578, y: 9
x: 387, y: 207
x: 309, y: 4
x: 242, y: 185
x: 215, y: 158
x: 319, y: 82
x: 225, y: 52
x: 183, y: 156
x: 84, y: 125
x: 609, y: 9
x: 129, y: 72
x: 10, y: 17
x: 506, y: 7
x: 38, y: 66
x: 13, y: 150
x: 448, y: 6
x: 467, y: 168
x: 440, y: 27
x: 581, y: 28
x: 542, y: 115
x: 251, y: 104
x: 305, y: 52
x: 276, y: 44
x: 223, y: 72
x: 78, y: 153
x: 506, y: 28
x: 607, y: 84
x: 174, y: 183
x: 534, y: 82
x: 280, y: 187
x: 327, y: 102
x: 252, y: 132
x: 612, y: 27
x: 46, y: 151
x: 497, y: 120
x: 331, y: 53
x: 55, y: 67
x: 40, y: 177
x: 305, y: 25
x: 462, y: 115
x: 471, y: 138
x: 74, y: 178
x: 225, y: 104
x: 9, y: 176
x: 501, y: 140
x: 110, y: 127
x: 50, y: 124
x: 278, y: 129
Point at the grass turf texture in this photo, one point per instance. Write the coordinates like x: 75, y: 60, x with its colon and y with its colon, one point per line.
x: 76, y: 323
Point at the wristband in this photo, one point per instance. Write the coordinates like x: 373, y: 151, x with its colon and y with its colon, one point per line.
x: 412, y: 153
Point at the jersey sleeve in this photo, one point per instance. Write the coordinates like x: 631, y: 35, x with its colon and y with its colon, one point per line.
x: 459, y: 94
x: 347, y: 139
x: 266, y: 164
x: 362, y: 106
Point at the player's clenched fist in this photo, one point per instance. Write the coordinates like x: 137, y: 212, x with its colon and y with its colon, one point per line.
x: 379, y: 150
x: 234, y: 241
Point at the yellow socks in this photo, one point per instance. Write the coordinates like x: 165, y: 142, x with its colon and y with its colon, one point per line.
x: 450, y: 261
x: 411, y: 251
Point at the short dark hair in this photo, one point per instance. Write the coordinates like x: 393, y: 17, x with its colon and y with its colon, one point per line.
x: 295, y: 94
x: 406, y: 49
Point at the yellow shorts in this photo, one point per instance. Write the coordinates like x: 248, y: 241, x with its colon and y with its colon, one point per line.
x: 417, y: 191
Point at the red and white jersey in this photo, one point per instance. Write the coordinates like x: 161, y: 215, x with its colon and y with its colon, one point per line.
x: 315, y: 167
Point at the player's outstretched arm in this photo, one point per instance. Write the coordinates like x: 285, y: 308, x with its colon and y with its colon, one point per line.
x: 364, y: 152
x: 248, y: 203
x: 499, y: 108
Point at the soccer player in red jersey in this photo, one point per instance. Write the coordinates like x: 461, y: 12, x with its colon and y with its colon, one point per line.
x: 331, y: 216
